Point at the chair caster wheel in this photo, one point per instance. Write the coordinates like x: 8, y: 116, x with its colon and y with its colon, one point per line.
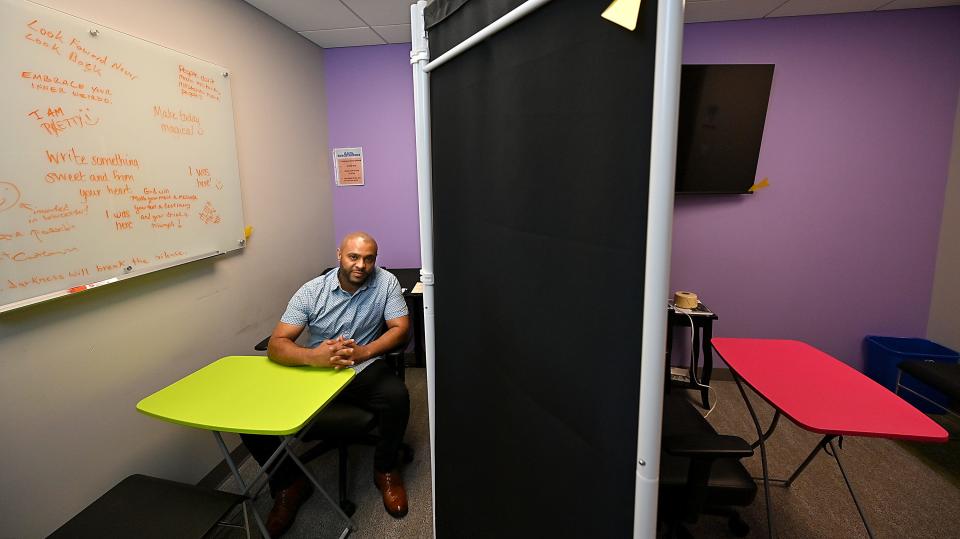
x: 348, y: 507
x: 738, y: 526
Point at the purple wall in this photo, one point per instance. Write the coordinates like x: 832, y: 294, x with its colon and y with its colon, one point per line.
x: 370, y: 104
x: 856, y: 145
x: 843, y: 242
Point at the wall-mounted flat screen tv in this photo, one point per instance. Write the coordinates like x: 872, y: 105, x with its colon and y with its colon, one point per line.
x: 722, y: 112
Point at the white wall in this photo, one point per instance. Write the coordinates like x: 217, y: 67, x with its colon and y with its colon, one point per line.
x: 72, y: 370
x: 944, y: 324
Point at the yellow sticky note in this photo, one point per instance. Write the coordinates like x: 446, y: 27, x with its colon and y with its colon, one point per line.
x: 623, y: 12
x: 759, y: 185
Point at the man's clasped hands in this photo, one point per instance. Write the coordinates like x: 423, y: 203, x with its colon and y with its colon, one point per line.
x: 339, y: 353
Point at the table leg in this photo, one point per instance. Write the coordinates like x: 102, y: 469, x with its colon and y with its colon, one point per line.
x: 419, y: 348
x: 278, y: 455
x: 695, y: 353
x: 336, y: 506
x: 766, y: 435
x: 836, y: 456
x: 267, y: 469
x: 668, y: 382
x: 246, y: 520
x: 239, y: 478
x: 763, y: 453
x: 707, y: 362
x: 822, y: 444
x: 826, y: 440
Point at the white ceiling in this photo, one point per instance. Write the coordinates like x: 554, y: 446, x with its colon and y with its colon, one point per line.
x: 350, y: 23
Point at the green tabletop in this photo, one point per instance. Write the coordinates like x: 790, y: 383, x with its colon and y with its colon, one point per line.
x: 247, y: 394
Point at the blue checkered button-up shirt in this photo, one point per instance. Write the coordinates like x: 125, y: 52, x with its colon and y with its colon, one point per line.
x: 328, y: 311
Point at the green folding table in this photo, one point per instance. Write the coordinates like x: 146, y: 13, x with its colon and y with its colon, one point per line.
x: 252, y: 395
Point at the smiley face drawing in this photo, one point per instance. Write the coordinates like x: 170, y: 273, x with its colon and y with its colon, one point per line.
x: 9, y: 195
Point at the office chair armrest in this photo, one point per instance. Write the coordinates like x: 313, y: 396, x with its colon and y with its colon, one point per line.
x: 710, y: 447
x: 262, y: 345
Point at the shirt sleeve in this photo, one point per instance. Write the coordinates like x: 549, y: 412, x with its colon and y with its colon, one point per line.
x: 298, y: 310
x: 396, y: 305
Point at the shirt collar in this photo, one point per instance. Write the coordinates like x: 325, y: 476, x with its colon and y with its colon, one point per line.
x: 334, y: 281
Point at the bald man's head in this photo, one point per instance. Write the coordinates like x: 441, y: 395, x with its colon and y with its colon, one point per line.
x: 358, y: 257
x: 358, y: 235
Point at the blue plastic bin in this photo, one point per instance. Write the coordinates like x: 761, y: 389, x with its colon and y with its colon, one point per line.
x: 885, y: 353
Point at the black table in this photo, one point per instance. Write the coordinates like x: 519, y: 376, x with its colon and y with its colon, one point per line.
x: 702, y: 329
x: 148, y: 507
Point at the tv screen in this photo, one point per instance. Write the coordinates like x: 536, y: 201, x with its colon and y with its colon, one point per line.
x: 722, y: 112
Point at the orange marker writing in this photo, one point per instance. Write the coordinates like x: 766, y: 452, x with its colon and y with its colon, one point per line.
x: 83, y: 287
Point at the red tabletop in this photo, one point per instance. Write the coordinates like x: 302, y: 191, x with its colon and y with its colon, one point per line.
x: 823, y: 394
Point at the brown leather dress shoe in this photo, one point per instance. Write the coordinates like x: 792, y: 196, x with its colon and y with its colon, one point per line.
x: 394, y: 495
x: 286, y: 503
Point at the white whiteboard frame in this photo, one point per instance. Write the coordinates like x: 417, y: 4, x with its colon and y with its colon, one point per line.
x: 129, y: 272
x: 83, y: 288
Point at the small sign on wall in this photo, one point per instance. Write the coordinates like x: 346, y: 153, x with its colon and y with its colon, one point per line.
x: 348, y: 166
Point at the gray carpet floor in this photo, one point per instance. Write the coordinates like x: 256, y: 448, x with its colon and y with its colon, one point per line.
x: 317, y: 518
x: 903, y: 497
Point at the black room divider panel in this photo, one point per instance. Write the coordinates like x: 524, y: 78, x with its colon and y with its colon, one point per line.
x: 541, y: 147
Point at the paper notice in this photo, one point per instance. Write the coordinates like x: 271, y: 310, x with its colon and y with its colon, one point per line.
x: 348, y: 166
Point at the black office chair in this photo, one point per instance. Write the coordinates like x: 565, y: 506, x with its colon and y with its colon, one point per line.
x: 700, y: 471
x: 340, y: 425
x: 944, y: 377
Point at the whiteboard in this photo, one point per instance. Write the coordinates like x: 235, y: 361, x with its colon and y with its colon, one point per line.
x: 118, y: 156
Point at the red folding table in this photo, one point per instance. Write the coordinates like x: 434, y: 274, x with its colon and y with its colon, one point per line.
x: 822, y: 395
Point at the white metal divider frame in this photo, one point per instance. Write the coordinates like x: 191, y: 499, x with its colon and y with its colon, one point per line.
x: 419, y: 56
x: 663, y: 159
x: 659, y: 225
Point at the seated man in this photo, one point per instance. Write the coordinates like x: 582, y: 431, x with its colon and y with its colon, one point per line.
x: 345, y: 310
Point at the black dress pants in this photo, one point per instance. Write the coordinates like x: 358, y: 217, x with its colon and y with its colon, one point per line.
x: 376, y: 389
